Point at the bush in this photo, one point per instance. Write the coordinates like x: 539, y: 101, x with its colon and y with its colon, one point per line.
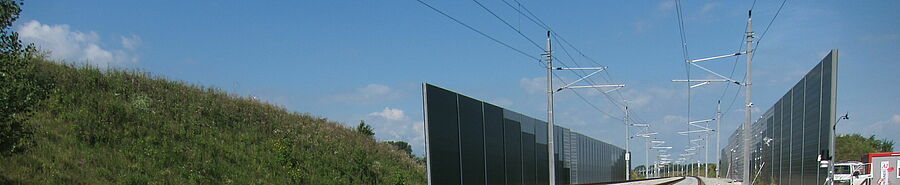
x: 115, y: 126
x: 20, y: 88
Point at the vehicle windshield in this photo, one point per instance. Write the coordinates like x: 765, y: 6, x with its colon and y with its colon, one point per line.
x: 842, y: 169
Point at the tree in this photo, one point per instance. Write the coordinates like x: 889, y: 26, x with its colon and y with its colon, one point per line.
x: 852, y: 147
x: 20, y: 88
x: 422, y: 160
x: 638, y: 172
x: 403, y: 146
x: 364, y: 128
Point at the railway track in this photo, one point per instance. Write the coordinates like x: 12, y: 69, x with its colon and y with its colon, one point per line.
x: 658, y: 181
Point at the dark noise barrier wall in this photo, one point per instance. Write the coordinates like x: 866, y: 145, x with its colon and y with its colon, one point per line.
x: 790, y: 138
x: 472, y: 142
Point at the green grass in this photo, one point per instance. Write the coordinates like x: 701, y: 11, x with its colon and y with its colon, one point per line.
x: 129, y: 127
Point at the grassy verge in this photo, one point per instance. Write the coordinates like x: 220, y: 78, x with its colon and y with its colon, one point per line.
x: 128, y: 127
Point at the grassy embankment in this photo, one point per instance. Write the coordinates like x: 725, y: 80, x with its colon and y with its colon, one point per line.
x: 128, y: 127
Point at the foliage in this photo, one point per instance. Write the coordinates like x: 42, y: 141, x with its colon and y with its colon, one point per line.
x: 402, y: 146
x: 363, y: 128
x: 852, y: 147
x: 128, y: 127
x: 422, y: 160
x: 20, y: 89
x: 82, y: 125
x: 677, y: 170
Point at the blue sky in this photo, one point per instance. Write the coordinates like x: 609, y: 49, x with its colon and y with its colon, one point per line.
x: 366, y: 60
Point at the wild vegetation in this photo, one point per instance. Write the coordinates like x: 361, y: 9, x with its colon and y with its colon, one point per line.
x: 677, y: 170
x: 68, y: 124
x: 852, y: 147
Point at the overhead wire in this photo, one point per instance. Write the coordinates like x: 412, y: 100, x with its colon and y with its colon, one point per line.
x: 558, y: 36
x: 533, y: 18
x: 476, y: 30
x: 769, y: 25
x: 684, y: 53
x: 536, y: 20
x: 588, y: 102
x: 539, y: 47
x: 608, y: 77
x: 733, y: 68
x: 507, y: 24
x: 589, y: 81
x: 756, y: 47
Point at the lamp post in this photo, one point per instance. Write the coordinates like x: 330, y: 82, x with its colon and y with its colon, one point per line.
x: 832, y: 149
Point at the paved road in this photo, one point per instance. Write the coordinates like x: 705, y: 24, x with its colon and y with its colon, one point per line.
x: 718, y: 181
x: 688, y: 181
x: 650, y: 182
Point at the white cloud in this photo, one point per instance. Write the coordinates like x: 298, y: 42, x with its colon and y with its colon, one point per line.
x: 709, y: 7
x: 503, y: 102
x: 412, y: 132
x: 639, y: 101
x: 755, y: 109
x: 792, y: 76
x: 639, y: 98
x: 669, y: 119
x: 369, y: 94
x: 77, y: 46
x: 880, y: 37
x: 390, y: 114
x: 886, y: 129
x: 131, y: 42
x: 640, y: 26
x: 666, y: 5
x: 534, y: 85
x: 375, y: 90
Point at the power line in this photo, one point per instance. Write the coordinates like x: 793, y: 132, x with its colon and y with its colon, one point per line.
x: 510, y: 47
x: 734, y: 67
x: 589, y: 81
x: 541, y: 23
x: 684, y: 53
x: 537, y: 21
x: 476, y: 30
x: 770, y: 24
x: 754, y: 53
x: 610, y: 98
x: 588, y: 102
x: 508, y: 25
x: 529, y: 17
x: 539, y: 47
x: 559, y: 37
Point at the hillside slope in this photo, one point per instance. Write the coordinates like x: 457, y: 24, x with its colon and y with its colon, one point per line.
x: 127, y: 127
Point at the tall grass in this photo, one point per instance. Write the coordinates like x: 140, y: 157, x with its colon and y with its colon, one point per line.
x: 129, y: 127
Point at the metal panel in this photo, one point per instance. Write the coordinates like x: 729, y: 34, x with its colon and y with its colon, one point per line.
x: 471, y: 137
x: 541, y: 157
x: 443, y: 136
x: 472, y: 142
x: 493, y: 145
x: 512, y: 135
x: 528, y: 152
x: 789, y: 138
